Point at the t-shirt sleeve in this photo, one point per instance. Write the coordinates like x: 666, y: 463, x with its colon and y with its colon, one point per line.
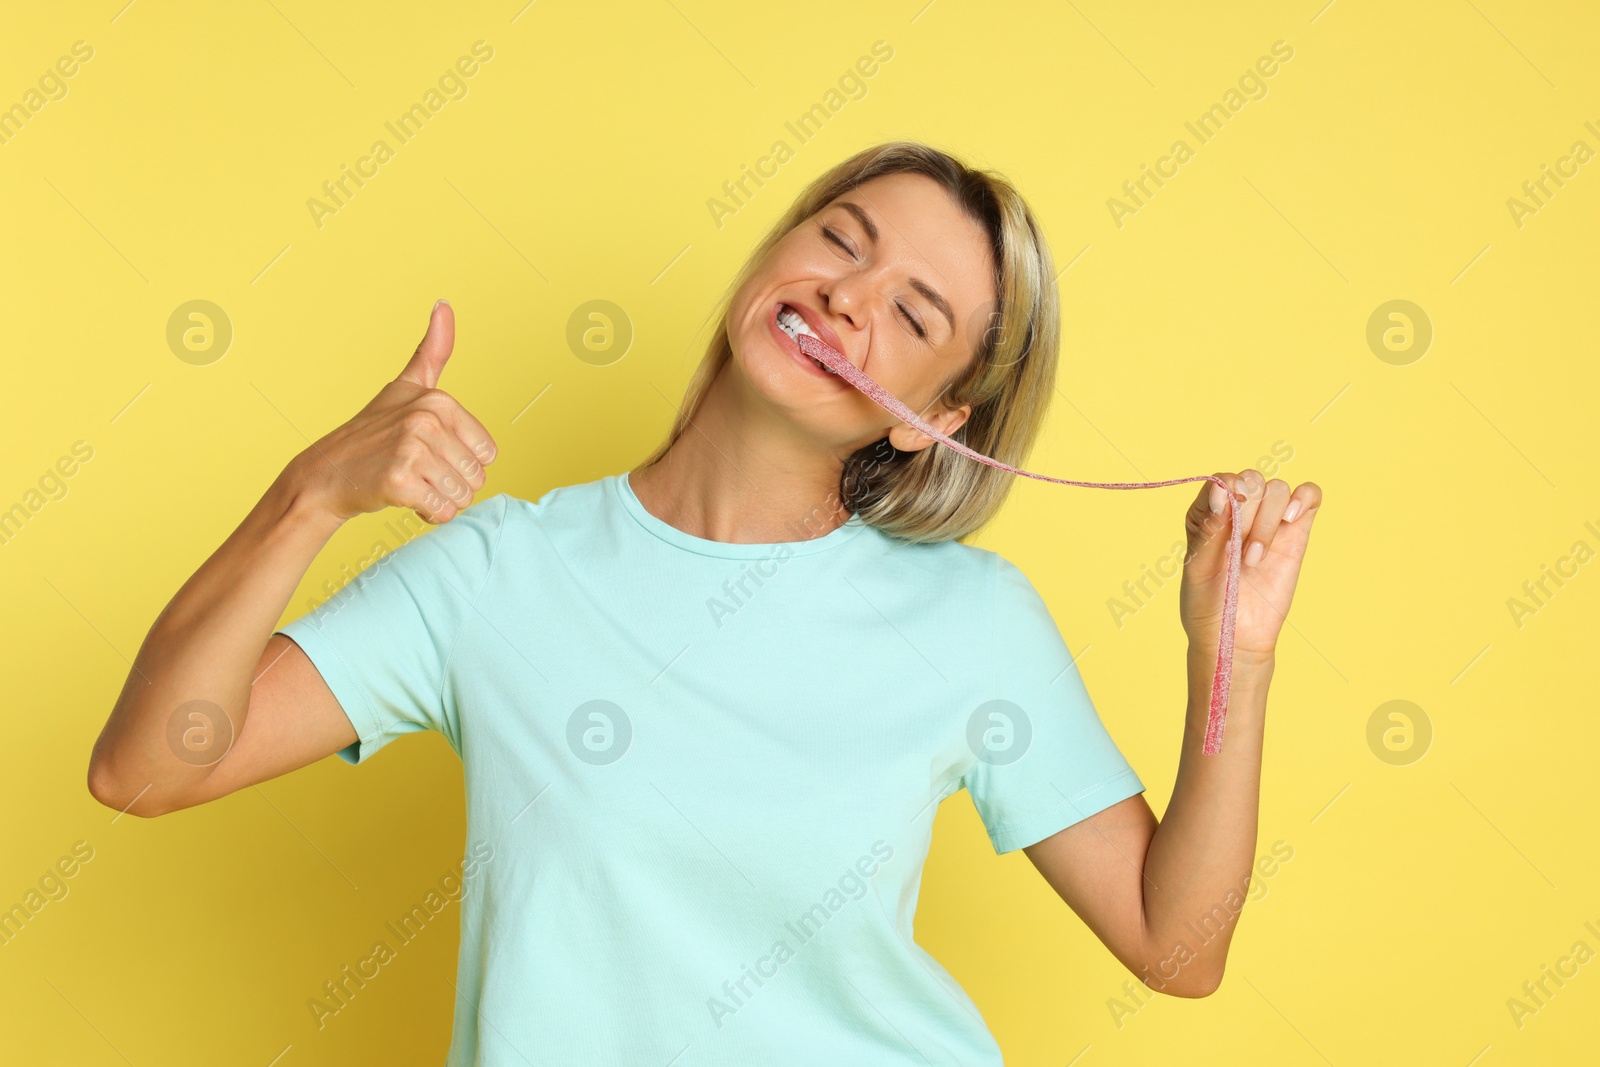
x: 1044, y: 760
x: 383, y: 642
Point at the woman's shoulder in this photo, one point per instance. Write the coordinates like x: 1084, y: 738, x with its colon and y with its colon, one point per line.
x: 574, y: 518
x: 557, y: 500
x: 945, y: 561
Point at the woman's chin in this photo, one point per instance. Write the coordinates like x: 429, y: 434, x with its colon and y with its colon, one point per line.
x: 774, y: 375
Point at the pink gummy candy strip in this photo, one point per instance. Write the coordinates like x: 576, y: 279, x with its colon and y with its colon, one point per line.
x: 1221, y: 681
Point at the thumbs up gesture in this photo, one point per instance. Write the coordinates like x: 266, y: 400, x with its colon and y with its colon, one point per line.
x: 412, y: 446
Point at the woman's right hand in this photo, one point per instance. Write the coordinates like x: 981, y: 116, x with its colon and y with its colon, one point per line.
x: 412, y: 446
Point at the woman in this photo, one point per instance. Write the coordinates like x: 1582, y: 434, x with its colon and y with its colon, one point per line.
x: 707, y: 708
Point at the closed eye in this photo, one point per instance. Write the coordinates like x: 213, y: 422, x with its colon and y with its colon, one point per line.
x: 836, y: 239
x: 829, y: 233
x: 915, y: 325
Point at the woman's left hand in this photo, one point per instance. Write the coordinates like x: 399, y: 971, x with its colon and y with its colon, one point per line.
x: 1267, y: 574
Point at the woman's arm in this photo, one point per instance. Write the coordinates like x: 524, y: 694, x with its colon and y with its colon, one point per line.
x: 1165, y: 898
x: 215, y: 700
x: 1198, y: 868
x: 193, y: 699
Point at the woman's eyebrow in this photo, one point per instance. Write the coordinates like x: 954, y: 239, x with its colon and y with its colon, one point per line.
x: 861, y: 217
x: 918, y: 284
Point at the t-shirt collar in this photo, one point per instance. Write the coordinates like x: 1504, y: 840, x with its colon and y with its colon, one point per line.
x: 726, y: 549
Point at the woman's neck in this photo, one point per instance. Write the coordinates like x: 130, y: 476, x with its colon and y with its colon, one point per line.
x: 723, y: 482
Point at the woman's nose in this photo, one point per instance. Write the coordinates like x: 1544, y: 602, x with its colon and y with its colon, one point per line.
x: 849, y: 297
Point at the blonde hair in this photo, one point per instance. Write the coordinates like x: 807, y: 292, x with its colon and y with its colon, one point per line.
x: 936, y: 494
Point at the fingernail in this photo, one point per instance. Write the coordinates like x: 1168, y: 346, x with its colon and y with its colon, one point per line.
x: 1292, y: 511
x: 436, y: 304
x: 1253, y: 553
x: 1216, y: 499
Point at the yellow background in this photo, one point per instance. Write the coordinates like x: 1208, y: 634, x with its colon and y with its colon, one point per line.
x: 1227, y: 315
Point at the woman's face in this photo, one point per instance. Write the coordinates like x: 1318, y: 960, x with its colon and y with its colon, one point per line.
x: 893, y: 275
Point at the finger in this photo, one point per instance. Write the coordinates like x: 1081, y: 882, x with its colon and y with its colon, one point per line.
x: 1248, y: 487
x: 464, y: 467
x: 436, y: 493
x: 1274, y: 499
x: 427, y: 362
x: 412, y: 490
x: 1294, y: 534
x: 472, y: 434
x: 1207, y: 517
x: 1251, y: 484
x: 1216, y: 496
x: 1305, y: 504
x: 444, y: 463
x: 1307, y: 497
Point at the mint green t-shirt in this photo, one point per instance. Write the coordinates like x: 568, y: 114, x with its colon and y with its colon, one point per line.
x: 701, y: 777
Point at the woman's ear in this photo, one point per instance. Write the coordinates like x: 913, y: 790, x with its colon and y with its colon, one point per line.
x: 947, y: 421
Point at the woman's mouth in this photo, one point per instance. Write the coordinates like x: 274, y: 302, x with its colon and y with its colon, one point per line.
x: 786, y: 323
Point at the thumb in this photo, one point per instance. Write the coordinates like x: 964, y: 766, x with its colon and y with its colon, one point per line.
x: 429, y: 359
x: 1208, y: 523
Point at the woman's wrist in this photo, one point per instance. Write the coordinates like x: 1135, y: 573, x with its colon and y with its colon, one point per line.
x: 1245, y: 661
x: 1249, y: 681
x: 300, y: 493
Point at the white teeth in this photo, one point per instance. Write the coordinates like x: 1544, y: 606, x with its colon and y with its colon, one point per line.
x: 790, y: 322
